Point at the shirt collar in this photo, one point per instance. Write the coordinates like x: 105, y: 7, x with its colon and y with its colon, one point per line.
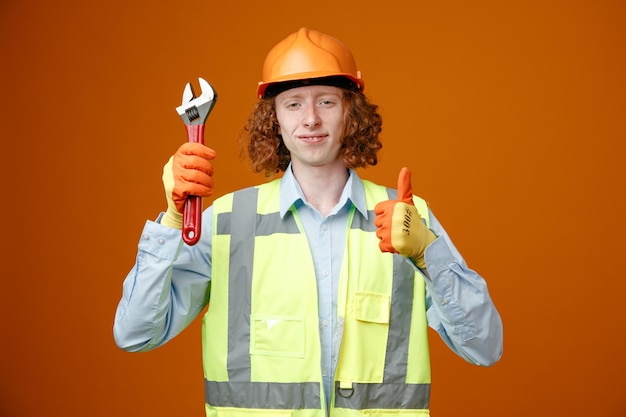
x: 291, y: 193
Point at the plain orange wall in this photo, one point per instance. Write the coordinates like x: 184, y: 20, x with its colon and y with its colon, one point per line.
x: 511, y: 115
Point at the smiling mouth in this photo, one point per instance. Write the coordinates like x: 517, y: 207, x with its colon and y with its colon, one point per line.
x: 312, y: 138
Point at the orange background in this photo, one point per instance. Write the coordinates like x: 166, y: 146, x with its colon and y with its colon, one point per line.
x: 511, y: 115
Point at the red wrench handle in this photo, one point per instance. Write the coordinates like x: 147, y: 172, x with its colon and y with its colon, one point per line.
x: 192, y: 212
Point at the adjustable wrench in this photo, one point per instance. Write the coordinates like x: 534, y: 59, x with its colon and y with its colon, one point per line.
x: 194, y: 112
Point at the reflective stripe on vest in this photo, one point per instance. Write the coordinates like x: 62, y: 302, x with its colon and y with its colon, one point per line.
x: 239, y: 390
x: 236, y: 387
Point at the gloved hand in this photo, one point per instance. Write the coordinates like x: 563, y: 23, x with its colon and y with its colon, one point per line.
x: 399, y: 225
x: 188, y: 172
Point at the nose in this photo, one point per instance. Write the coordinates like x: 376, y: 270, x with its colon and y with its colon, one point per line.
x: 311, y: 117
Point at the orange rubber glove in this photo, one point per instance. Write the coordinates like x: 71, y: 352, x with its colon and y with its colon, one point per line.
x: 399, y: 225
x: 188, y: 172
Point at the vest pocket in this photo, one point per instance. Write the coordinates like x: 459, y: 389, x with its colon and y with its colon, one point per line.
x: 372, y: 307
x: 364, y: 343
x: 277, y: 336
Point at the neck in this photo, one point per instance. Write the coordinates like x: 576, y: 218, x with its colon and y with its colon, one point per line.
x: 322, y: 186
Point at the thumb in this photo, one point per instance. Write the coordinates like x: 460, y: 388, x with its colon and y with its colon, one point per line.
x: 405, y: 193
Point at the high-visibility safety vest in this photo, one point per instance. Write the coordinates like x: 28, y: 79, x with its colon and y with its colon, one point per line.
x: 261, y: 341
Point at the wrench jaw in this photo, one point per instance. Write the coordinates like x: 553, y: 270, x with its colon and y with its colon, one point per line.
x: 195, y: 110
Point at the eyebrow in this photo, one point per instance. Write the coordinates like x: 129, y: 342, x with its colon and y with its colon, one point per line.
x: 317, y: 95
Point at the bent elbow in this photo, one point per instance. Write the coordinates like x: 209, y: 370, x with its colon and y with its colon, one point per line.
x: 493, y: 358
x: 493, y: 347
x: 129, y: 342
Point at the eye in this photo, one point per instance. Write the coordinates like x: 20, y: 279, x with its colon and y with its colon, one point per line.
x: 326, y: 102
x: 292, y: 105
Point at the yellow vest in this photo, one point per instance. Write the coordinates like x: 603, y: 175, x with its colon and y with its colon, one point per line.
x: 261, y: 342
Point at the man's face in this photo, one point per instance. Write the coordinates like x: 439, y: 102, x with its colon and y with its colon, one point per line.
x: 311, y: 122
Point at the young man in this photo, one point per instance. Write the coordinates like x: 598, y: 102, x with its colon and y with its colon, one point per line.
x: 321, y: 285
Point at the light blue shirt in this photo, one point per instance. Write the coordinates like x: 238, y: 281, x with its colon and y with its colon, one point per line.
x: 168, y: 286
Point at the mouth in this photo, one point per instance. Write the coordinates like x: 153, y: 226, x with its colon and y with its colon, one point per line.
x: 313, y: 138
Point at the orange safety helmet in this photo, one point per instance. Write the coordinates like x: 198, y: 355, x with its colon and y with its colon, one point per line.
x: 309, y: 57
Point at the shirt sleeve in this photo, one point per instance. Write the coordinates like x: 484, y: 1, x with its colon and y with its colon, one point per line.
x: 459, y: 307
x: 166, y: 289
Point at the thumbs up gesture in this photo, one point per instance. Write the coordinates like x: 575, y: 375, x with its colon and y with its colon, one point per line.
x: 399, y: 225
